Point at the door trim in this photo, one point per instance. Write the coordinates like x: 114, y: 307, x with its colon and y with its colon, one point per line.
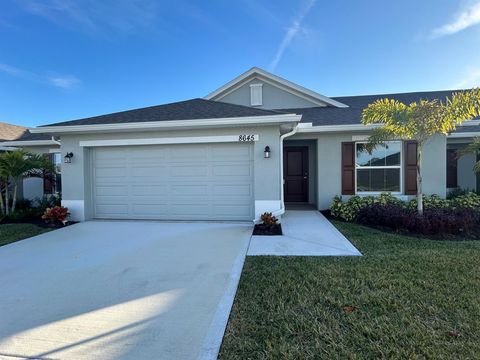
x: 305, y: 150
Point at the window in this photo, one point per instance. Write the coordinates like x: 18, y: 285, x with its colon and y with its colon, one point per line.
x: 379, y: 169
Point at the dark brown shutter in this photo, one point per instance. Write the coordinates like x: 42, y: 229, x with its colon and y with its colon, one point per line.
x: 452, y: 168
x: 48, y: 179
x: 348, y: 168
x: 410, y: 167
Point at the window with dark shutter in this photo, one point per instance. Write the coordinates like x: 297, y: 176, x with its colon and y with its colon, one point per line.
x: 452, y: 168
x: 348, y: 168
x: 410, y: 167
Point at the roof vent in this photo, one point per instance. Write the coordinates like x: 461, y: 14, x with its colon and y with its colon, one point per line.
x: 256, y: 96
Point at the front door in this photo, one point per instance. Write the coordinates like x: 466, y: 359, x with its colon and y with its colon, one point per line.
x: 295, y: 173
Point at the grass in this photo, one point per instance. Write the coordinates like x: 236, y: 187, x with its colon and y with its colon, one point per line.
x: 407, y: 298
x: 10, y: 233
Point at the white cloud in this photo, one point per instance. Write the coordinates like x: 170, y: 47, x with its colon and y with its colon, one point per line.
x: 91, y: 15
x: 467, y: 16
x: 292, y: 30
x: 470, y: 80
x: 60, y: 81
x: 64, y: 82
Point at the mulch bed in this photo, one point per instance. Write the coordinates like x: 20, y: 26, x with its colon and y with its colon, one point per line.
x: 261, y: 229
x: 37, y: 222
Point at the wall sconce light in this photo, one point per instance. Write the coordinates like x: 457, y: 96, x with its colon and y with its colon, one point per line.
x: 68, y: 158
x: 267, y: 152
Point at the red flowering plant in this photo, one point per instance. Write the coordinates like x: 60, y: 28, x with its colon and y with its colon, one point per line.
x: 56, y: 215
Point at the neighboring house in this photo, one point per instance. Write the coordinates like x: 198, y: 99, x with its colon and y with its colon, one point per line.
x: 14, y: 137
x: 250, y: 146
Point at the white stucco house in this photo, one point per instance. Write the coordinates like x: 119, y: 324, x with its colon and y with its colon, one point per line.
x: 256, y: 144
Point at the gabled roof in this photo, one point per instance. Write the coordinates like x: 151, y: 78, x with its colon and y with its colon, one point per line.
x: 11, y: 134
x: 256, y: 72
x: 10, y: 131
x: 319, y: 116
x: 184, y: 110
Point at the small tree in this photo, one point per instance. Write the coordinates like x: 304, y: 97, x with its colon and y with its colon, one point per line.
x: 419, y: 121
x: 15, y: 165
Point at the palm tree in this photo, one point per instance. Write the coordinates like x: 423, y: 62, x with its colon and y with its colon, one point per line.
x: 419, y: 121
x: 15, y: 165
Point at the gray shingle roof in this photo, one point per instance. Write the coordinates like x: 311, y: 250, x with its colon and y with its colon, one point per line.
x: 353, y: 114
x: 183, y: 110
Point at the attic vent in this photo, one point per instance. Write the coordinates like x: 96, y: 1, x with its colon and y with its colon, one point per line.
x: 256, y: 95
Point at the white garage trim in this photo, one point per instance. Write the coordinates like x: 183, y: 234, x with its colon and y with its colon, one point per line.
x: 171, y: 140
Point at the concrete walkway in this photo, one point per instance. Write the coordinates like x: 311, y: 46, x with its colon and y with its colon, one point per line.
x: 305, y: 233
x: 120, y: 290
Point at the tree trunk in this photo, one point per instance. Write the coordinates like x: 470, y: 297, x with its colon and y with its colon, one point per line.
x: 14, y: 201
x: 2, y: 209
x: 419, y: 181
x: 6, y: 198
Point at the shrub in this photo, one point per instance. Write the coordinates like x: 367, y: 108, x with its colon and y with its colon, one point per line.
x: 452, y: 194
x: 349, y: 209
x: 46, y: 202
x: 467, y: 201
x: 434, y: 221
x: 430, y: 202
x: 56, y: 215
x: 23, y: 204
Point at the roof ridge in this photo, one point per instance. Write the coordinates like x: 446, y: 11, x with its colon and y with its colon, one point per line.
x: 398, y: 93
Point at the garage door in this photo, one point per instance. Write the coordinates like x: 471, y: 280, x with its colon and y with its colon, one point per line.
x: 174, y: 182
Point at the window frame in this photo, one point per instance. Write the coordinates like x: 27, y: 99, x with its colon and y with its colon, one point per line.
x: 400, y: 166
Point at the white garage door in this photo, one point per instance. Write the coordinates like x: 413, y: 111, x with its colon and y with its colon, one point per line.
x: 174, y: 182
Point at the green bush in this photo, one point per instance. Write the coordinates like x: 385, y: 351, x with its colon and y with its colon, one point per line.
x: 430, y: 202
x: 467, y: 201
x: 452, y: 194
x: 348, y: 210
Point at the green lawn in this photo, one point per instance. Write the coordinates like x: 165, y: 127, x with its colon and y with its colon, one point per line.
x: 411, y: 299
x: 10, y: 233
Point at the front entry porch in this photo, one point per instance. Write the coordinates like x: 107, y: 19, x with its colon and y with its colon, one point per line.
x: 300, y: 174
x: 305, y: 233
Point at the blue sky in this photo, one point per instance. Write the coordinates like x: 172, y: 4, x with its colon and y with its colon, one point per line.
x: 67, y: 59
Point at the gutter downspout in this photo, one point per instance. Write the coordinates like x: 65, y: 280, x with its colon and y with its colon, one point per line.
x: 281, y: 211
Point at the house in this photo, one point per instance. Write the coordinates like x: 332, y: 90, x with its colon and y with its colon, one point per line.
x: 13, y: 137
x: 251, y: 146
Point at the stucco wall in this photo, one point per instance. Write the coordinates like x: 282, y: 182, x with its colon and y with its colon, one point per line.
x: 434, y: 166
x: 32, y: 188
x: 466, y: 177
x: 329, y: 165
x: 273, y: 97
x: 76, y: 176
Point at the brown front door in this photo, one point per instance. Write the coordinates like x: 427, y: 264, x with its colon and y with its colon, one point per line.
x: 295, y: 173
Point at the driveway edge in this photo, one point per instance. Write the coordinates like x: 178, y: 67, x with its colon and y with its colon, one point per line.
x: 213, y: 340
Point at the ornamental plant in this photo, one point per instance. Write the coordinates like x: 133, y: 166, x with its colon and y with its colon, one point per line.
x: 56, y: 215
x: 419, y: 121
x: 268, y: 219
x: 15, y: 165
x: 349, y: 210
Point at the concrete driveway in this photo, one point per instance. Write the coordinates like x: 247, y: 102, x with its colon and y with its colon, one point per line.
x: 120, y: 290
